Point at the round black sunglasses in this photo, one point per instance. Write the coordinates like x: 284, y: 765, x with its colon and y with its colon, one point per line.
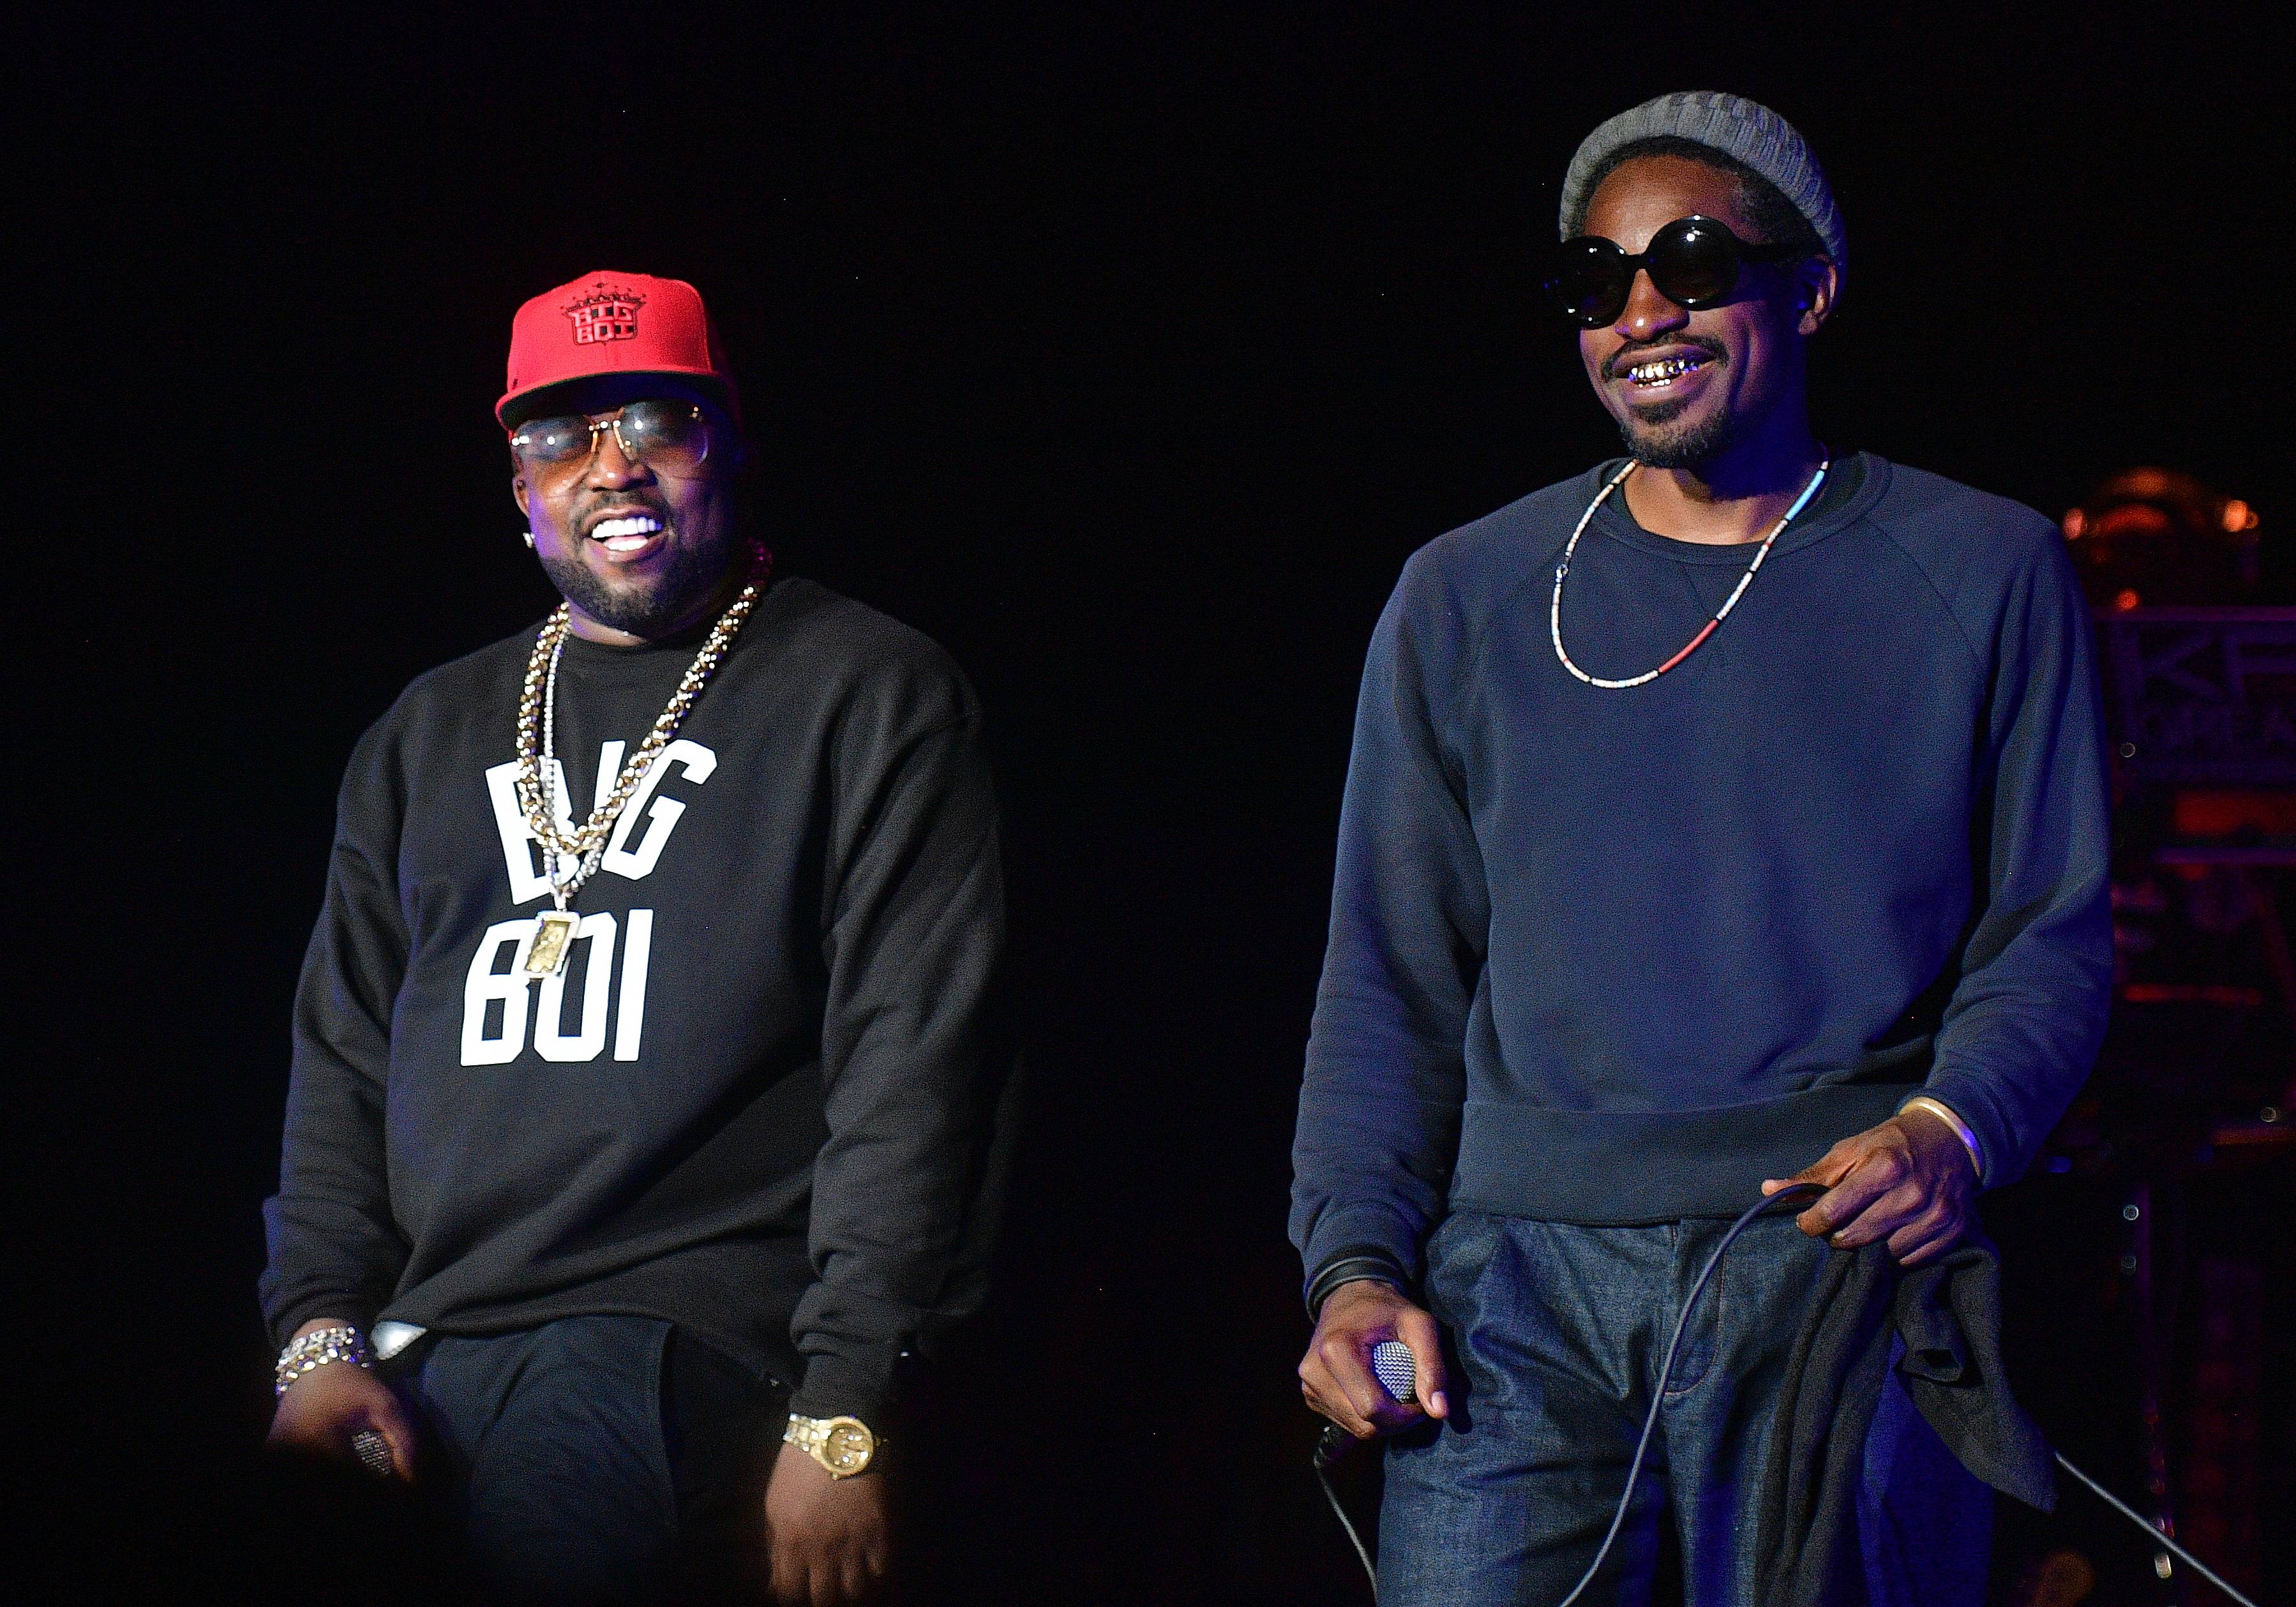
x: 1693, y: 261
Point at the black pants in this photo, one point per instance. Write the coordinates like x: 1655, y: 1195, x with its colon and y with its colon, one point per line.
x: 601, y: 1458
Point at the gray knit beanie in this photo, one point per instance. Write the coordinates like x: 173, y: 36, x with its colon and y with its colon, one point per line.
x: 1731, y: 124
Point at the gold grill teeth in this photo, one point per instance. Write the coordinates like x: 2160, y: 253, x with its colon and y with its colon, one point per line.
x: 1650, y: 374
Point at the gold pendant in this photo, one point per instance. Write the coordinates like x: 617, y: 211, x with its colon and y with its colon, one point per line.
x: 553, y: 937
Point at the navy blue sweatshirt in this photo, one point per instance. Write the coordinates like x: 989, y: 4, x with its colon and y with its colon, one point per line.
x: 1616, y: 956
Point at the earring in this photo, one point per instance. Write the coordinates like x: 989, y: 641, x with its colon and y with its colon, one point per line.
x: 530, y: 540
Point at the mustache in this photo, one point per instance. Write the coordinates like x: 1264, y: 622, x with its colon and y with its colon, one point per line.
x: 1626, y: 357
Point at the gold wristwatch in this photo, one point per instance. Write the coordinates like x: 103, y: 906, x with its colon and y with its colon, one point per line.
x: 845, y: 1445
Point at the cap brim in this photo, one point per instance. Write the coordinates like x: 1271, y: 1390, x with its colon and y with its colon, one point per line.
x: 609, y: 388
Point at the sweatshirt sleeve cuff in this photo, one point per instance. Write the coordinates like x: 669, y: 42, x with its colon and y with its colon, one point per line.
x: 1967, y: 1097
x: 1377, y: 1227
x: 334, y: 1307
x: 840, y: 1385
x: 1353, y: 1265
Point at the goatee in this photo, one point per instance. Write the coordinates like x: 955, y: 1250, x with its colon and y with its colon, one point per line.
x: 1651, y: 443
x: 644, y: 608
x: 1652, y: 436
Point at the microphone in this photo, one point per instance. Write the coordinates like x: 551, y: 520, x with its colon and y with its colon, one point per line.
x: 374, y: 1451
x: 1390, y: 1363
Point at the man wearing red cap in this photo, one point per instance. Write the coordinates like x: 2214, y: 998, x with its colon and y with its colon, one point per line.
x: 645, y: 1068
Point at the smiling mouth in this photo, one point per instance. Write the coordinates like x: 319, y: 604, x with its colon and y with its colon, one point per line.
x: 626, y: 534
x: 1665, y: 370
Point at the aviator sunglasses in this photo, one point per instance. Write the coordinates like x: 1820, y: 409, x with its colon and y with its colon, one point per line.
x: 671, y: 438
x: 1693, y: 261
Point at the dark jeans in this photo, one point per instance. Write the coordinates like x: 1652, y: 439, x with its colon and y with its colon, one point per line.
x: 599, y: 1458
x: 1554, y: 1338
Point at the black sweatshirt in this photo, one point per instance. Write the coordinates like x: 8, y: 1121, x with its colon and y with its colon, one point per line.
x: 759, y: 1103
x: 1614, y: 957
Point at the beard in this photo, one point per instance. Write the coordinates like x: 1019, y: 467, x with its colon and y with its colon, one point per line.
x: 650, y: 606
x: 1656, y: 438
x: 1655, y: 435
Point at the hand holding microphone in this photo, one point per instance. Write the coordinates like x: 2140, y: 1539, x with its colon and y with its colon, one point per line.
x: 1391, y: 1365
x: 1362, y: 1325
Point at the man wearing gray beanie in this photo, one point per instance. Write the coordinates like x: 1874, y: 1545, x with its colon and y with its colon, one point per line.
x: 1728, y: 816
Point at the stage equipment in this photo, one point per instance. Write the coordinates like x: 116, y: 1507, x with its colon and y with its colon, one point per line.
x: 2198, y: 1075
x: 2203, y: 697
x: 2157, y: 538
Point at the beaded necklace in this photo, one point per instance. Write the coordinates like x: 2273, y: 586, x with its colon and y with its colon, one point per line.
x: 1554, y: 609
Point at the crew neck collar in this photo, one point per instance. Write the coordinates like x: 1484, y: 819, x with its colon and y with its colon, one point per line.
x: 586, y: 654
x: 688, y: 641
x: 1833, y: 512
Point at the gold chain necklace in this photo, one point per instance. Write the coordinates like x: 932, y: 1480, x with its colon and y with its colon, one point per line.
x: 538, y: 769
x: 1554, y: 606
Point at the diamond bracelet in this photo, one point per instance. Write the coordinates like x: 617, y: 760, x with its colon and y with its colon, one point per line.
x: 315, y: 1350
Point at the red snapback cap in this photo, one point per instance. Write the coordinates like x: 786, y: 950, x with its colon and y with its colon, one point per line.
x: 610, y: 324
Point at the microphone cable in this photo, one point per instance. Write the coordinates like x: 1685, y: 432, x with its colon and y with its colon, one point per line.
x: 2151, y: 1532
x: 1392, y: 1364
x: 1666, y: 1376
x: 1324, y: 1477
x: 1335, y: 1441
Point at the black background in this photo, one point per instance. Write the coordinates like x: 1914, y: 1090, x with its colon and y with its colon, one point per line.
x: 1128, y: 352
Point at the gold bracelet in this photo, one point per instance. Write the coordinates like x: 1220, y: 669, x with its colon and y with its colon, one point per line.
x: 1945, y: 1113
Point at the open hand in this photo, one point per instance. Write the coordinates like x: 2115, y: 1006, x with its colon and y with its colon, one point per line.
x: 826, y: 1539
x: 1909, y: 1181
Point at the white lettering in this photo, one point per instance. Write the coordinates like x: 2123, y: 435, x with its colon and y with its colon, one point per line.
x: 637, y: 950
x: 485, y: 987
x: 521, y: 855
x: 699, y: 763
x: 489, y: 1039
